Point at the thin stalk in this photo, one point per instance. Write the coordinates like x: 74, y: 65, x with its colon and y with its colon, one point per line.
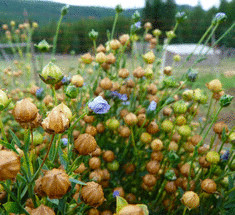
x: 2, y: 129
x: 184, y: 212
x: 133, y: 141
x: 56, y: 36
x: 44, y: 160
x: 54, y: 94
x: 114, y: 25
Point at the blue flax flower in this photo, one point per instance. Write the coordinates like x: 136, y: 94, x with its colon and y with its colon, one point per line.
x: 64, y: 141
x: 122, y: 97
x: 152, y: 106
x: 116, y: 193
x: 99, y: 105
x: 225, y: 156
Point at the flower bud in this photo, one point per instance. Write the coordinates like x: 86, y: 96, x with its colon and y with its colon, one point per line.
x: 180, y: 17
x: 85, y: 144
x: 64, y: 10
x: 208, y: 186
x: 118, y: 9
x: 213, y: 157
x: 177, y: 58
x: 77, y: 80
x: 92, y: 194
x: 51, y: 74
x: 190, y: 199
x: 219, y: 18
x: 9, y: 165
x: 170, y: 34
x: 93, y: 34
x: 43, y: 46
x: 25, y: 111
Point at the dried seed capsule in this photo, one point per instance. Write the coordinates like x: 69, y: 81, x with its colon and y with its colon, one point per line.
x: 146, y: 138
x: 91, y: 130
x: 42, y: 209
x: 92, y: 194
x: 93, y: 211
x: 185, y: 169
x: 86, y: 58
x: 94, y: 163
x: 55, y: 183
x: 97, y: 152
x: 123, y: 73
x: 108, y: 156
x: 101, y: 48
x: 106, y: 212
x: 100, y: 127
x: 168, y: 70
x: 56, y: 122
x: 106, y: 174
x: 9, y: 165
x: 191, y: 185
x: 214, y: 85
x: 129, y: 168
x: 106, y: 84
x: 89, y: 119
x: 196, y: 139
x: 77, y: 80
x: 130, y: 197
x: 190, y: 199
x: 25, y: 111
x: 85, y: 144
x: 80, y: 169
x: 152, y: 128
x: 139, y: 72
x: 96, y: 176
x: 131, y: 210
x: 203, y: 162
x: 219, y: 126
x: 156, y: 145
x: 153, y: 167
x: 158, y: 156
x: 170, y: 187
x: 131, y: 119
x: 149, y: 180
x: 124, y: 131
x: 114, y: 44
x: 208, y: 185
x: 124, y: 39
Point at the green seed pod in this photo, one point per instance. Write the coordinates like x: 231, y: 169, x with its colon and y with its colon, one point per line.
x: 213, y: 157
x: 37, y: 138
x: 184, y: 130
x: 180, y: 107
x: 43, y: 46
x: 71, y: 91
x: 4, y: 101
x: 167, y: 126
x: 51, y: 74
x: 114, y: 166
x: 112, y: 124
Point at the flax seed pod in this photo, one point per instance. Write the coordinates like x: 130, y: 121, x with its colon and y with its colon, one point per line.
x: 55, y: 183
x: 149, y: 180
x: 77, y: 80
x: 158, y: 156
x: 170, y: 187
x: 152, y: 128
x: 167, y: 111
x: 130, y: 197
x: 25, y: 111
x: 100, y: 127
x: 9, y: 165
x: 101, y: 48
x: 152, y: 89
x: 106, y: 174
x: 131, y: 119
x: 106, y: 84
x: 219, y: 126
x: 42, y: 209
x: 91, y: 130
x: 123, y: 73
x: 93, y: 211
x: 190, y: 199
x: 94, y: 163
x: 80, y: 169
x: 115, y: 44
x: 89, y: 119
x: 142, y: 120
x: 153, y: 167
x: 85, y: 144
x: 191, y: 184
x: 97, y: 152
x: 108, y: 156
x: 146, y: 138
x: 110, y: 58
x: 208, y: 185
x: 92, y: 194
x: 185, y: 169
x: 124, y: 131
x: 203, y: 162
x: 129, y: 168
x: 106, y: 212
x: 95, y: 176
x: 156, y: 145
x: 131, y: 210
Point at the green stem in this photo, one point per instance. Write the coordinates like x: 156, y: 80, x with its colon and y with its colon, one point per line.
x: 133, y: 141
x: 2, y: 129
x: 54, y: 94
x: 72, y: 165
x: 184, y: 212
x: 114, y: 25
x: 44, y: 160
x: 56, y: 36
x: 94, y: 44
x: 78, y: 119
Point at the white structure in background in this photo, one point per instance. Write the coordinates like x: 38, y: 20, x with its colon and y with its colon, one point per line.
x: 212, y: 55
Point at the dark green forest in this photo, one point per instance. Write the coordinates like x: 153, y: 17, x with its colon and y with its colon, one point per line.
x: 80, y: 20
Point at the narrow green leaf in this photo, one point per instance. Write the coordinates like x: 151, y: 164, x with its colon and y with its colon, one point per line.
x: 76, y: 181
x: 121, y: 202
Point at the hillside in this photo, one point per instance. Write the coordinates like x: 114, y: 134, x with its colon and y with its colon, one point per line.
x: 46, y: 11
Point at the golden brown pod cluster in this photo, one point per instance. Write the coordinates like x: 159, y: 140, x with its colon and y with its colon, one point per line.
x: 85, y: 144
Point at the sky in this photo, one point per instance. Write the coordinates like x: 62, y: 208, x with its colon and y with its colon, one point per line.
x: 206, y: 4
